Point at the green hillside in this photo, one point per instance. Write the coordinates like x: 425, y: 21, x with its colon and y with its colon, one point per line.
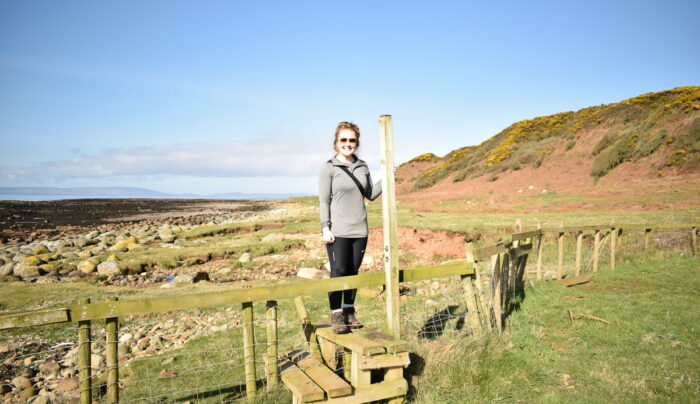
x: 666, y: 122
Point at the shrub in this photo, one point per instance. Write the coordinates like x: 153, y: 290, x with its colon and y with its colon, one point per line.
x: 570, y: 145
x: 650, y: 144
x: 606, y: 141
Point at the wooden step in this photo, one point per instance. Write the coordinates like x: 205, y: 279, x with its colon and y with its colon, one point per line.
x: 325, y: 378
x: 391, y: 344
x: 353, y: 341
x: 301, y: 385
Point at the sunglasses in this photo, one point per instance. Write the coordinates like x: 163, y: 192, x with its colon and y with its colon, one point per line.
x: 345, y: 140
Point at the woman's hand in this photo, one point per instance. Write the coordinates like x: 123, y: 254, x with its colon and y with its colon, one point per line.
x: 328, y: 236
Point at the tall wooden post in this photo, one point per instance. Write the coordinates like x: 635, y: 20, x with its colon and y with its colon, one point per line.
x: 560, y: 266
x: 391, y: 243
x: 84, y: 356
x: 249, y: 350
x: 111, y: 341
x: 613, y: 246
x: 272, y: 369
x: 694, y: 240
x: 579, y: 250
x: 596, y: 250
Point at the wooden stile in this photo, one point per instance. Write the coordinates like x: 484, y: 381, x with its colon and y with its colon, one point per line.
x: 112, y: 357
x: 84, y: 358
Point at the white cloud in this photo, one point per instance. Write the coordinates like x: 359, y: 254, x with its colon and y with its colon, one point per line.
x: 273, y: 157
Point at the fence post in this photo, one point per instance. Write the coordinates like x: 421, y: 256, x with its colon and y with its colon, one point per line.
x: 647, y: 241
x: 472, y: 307
x: 579, y: 248
x: 249, y: 350
x: 560, y: 266
x: 84, y: 357
x: 496, y: 292
x: 539, y: 251
x: 596, y: 250
x: 111, y: 348
x: 272, y: 369
x: 391, y: 241
x: 613, y: 246
x: 694, y: 240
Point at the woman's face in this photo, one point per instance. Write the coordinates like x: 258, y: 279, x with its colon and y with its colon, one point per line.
x: 347, y: 142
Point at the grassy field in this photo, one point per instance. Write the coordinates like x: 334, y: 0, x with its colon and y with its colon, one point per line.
x: 648, y: 352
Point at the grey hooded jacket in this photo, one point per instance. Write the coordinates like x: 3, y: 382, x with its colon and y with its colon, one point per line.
x: 342, y: 205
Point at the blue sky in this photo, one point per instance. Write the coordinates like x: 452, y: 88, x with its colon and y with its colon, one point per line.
x: 232, y: 96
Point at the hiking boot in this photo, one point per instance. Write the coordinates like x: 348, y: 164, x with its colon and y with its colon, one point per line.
x: 338, y: 323
x: 350, y: 319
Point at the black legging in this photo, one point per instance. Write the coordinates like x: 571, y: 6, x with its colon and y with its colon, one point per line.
x: 345, y: 256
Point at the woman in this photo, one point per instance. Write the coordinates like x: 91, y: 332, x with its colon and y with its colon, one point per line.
x: 343, y: 185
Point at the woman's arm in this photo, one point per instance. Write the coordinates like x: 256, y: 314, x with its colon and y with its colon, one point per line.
x: 324, y: 195
x: 375, y: 190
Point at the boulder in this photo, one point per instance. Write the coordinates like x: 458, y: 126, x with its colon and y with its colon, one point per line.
x: 272, y: 237
x: 49, y: 368
x: 7, y: 269
x: 40, y: 249
x: 166, y: 235
x: 313, y: 273
x: 245, y: 257
x: 88, y: 266
x: 26, y: 270
x: 109, y: 268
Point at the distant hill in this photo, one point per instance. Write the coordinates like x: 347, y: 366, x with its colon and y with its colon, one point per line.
x: 652, y: 135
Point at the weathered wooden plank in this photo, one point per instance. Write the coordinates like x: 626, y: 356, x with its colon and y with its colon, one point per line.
x: 390, y: 225
x: 694, y: 240
x: 280, y: 290
x: 579, y: 250
x: 32, y: 318
x: 486, y: 252
x: 526, y: 235
x: 358, y: 376
x: 325, y: 378
x: 395, y: 373
x: 388, y: 341
x: 353, y: 341
x: 301, y: 385
x: 521, y: 249
x: 576, y: 280
x: 385, y: 361
x: 374, y: 392
x: 307, y: 327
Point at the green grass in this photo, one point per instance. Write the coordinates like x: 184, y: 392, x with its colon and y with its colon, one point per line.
x: 648, y: 352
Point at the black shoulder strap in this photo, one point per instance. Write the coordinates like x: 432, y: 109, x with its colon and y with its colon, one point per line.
x: 357, y: 182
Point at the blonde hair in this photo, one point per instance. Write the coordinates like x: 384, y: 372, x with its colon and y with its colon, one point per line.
x: 346, y: 125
